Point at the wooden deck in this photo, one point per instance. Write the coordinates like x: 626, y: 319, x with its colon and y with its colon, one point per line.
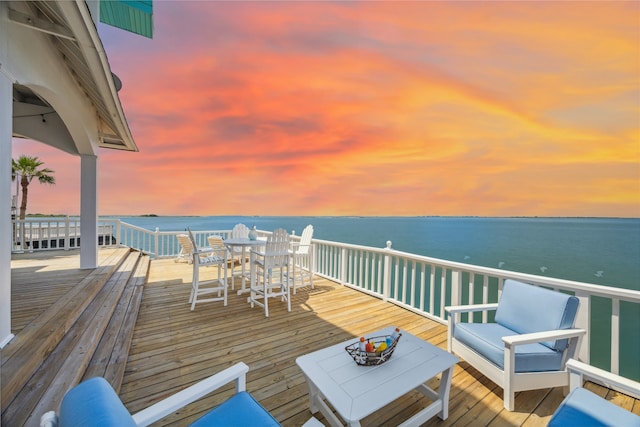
x: 173, y: 347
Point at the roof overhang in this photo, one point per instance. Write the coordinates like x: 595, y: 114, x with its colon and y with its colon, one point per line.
x: 71, y: 34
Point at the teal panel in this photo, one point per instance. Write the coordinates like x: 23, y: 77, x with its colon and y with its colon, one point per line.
x: 129, y: 15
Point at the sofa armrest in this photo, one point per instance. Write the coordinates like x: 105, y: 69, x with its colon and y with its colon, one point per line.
x: 153, y: 413
x: 511, y: 341
x: 535, y: 337
x: 578, y: 371
x: 455, y: 309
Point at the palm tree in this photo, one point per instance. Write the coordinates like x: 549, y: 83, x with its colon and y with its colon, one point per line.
x: 26, y: 168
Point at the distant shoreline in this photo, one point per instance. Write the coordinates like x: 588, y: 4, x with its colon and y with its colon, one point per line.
x: 38, y: 215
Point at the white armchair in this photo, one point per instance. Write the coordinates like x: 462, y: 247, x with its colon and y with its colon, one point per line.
x: 95, y: 403
x: 528, y: 345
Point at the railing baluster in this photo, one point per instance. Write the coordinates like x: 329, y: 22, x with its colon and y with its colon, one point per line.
x: 343, y: 265
x: 156, y: 250
x: 386, y: 286
x: 432, y: 292
x: 422, y: 285
x: 485, y: 298
x: 471, y: 294
x: 405, y: 272
x: 582, y: 321
x: 615, y: 335
x: 443, y: 290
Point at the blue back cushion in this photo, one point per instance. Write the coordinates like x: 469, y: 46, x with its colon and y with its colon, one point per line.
x: 93, y: 403
x: 526, y: 308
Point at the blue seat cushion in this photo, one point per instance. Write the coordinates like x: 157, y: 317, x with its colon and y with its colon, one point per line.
x: 242, y: 410
x: 93, y: 403
x: 525, y: 308
x: 585, y: 409
x: 486, y: 340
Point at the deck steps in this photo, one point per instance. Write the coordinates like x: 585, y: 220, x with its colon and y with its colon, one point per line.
x: 110, y: 357
x: 89, y: 319
x: 24, y: 354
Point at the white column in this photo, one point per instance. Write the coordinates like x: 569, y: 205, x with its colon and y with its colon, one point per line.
x: 6, y: 126
x: 88, y: 211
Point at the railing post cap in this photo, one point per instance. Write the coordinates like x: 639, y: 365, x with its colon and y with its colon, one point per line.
x: 388, y: 244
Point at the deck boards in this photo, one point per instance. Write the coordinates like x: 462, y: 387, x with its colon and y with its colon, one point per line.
x: 50, y: 322
x: 58, y: 345
x: 173, y: 347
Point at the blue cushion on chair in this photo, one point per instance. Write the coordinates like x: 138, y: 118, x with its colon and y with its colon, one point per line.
x: 93, y: 403
x: 585, y: 409
x: 242, y: 410
x: 525, y: 308
x: 486, y: 339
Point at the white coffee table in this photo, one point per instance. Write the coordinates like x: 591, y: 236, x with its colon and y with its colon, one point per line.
x: 356, y: 391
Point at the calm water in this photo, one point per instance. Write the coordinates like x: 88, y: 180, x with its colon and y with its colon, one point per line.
x: 601, y: 251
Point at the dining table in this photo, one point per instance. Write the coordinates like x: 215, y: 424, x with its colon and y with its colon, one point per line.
x: 244, y: 243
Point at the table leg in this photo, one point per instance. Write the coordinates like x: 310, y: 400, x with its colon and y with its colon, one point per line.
x: 244, y: 262
x: 316, y: 403
x: 443, y: 392
x: 440, y: 401
x: 314, y: 396
x: 252, y: 270
x: 243, y: 272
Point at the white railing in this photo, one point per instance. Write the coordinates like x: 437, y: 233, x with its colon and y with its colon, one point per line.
x: 426, y: 285
x: 55, y: 233
x: 417, y: 283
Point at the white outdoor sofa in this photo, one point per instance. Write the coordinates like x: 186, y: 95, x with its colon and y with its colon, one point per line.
x: 95, y: 403
x: 584, y: 408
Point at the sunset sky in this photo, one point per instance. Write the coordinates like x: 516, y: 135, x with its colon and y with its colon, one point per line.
x: 371, y: 108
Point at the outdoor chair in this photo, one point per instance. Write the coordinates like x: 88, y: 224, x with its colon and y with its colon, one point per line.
x: 214, y: 241
x: 301, y: 260
x: 585, y: 408
x: 95, y: 403
x: 239, y: 231
x: 529, y: 343
x: 274, y: 259
x: 214, y: 256
x: 186, y: 248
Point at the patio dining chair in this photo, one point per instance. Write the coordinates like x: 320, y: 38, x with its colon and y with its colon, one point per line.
x: 215, y: 255
x: 239, y: 231
x: 301, y: 260
x: 274, y: 260
x: 527, y: 346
